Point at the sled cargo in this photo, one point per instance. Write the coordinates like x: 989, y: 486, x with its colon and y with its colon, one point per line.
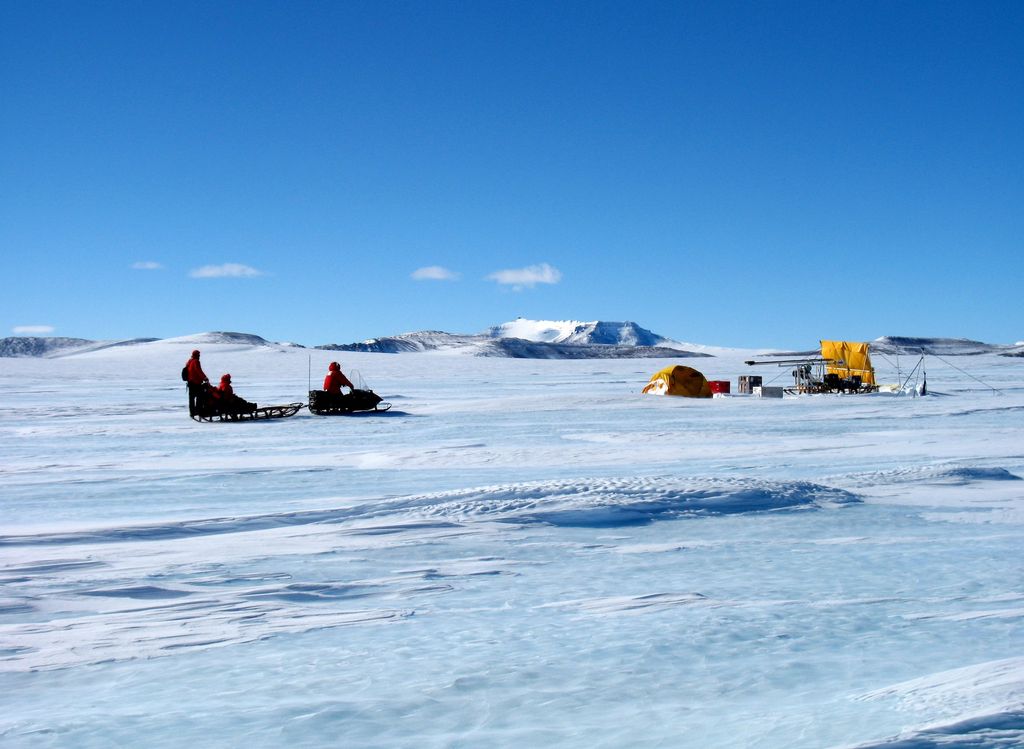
x: 259, y: 414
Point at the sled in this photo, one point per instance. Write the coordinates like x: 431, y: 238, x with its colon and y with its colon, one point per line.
x: 259, y: 414
x: 323, y: 403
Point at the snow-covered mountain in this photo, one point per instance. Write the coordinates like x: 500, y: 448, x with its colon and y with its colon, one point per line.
x: 576, y: 332
x: 513, y: 348
x: 536, y: 339
x: 548, y: 331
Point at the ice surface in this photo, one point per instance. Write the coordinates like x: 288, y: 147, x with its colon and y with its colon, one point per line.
x: 522, y: 553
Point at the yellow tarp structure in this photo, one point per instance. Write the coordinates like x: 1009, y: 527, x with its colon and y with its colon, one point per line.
x: 679, y: 380
x: 847, y: 358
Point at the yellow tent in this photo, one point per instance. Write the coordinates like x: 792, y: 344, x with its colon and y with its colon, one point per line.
x: 678, y: 380
x: 846, y: 359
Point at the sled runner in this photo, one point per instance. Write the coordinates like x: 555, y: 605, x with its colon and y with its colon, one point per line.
x: 257, y: 414
x: 323, y: 403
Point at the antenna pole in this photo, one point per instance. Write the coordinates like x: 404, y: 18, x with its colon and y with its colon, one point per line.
x: 309, y: 373
x: 919, y: 363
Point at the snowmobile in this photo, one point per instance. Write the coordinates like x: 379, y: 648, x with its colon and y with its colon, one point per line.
x: 359, y: 399
x: 323, y: 403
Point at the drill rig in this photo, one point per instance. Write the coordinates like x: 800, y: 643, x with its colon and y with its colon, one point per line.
x: 843, y: 367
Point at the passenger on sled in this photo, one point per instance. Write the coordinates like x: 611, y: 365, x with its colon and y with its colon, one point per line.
x: 222, y: 399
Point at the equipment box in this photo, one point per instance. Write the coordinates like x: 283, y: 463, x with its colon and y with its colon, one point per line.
x: 748, y: 383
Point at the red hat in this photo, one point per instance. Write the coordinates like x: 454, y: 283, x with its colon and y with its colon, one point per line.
x: 195, y: 354
x: 225, y: 378
x: 334, y: 366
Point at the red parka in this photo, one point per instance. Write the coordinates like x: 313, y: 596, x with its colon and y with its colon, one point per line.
x: 335, y: 379
x: 194, y: 370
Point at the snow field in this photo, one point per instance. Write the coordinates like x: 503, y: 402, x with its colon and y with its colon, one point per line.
x: 522, y: 553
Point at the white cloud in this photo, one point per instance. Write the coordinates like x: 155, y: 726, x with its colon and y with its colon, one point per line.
x: 147, y: 265
x: 528, y: 277
x: 226, y: 270
x: 434, y: 273
x: 32, y: 329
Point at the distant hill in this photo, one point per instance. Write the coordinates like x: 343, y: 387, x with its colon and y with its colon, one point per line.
x: 50, y: 347
x: 896, y: 345
x: 942, y: 346
x: 23, y: 346
x: 535, y: 339
x: 939, y: 346
x: 245, y: 339
x: 519, y: 339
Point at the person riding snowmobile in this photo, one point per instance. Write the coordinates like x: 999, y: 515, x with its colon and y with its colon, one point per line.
x: 332, y: 400
x: 335, y: 379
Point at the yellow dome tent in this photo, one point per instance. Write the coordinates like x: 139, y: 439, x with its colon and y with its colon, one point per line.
x: 679, y: 380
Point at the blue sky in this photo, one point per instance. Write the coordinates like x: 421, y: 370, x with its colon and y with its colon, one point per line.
x: 725, y: 173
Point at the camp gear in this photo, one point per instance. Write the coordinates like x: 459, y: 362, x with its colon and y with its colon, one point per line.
x: 679, y: 380
x: 257, y: 414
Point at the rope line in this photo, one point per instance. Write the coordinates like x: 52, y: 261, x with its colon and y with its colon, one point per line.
x: 963, y: 371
